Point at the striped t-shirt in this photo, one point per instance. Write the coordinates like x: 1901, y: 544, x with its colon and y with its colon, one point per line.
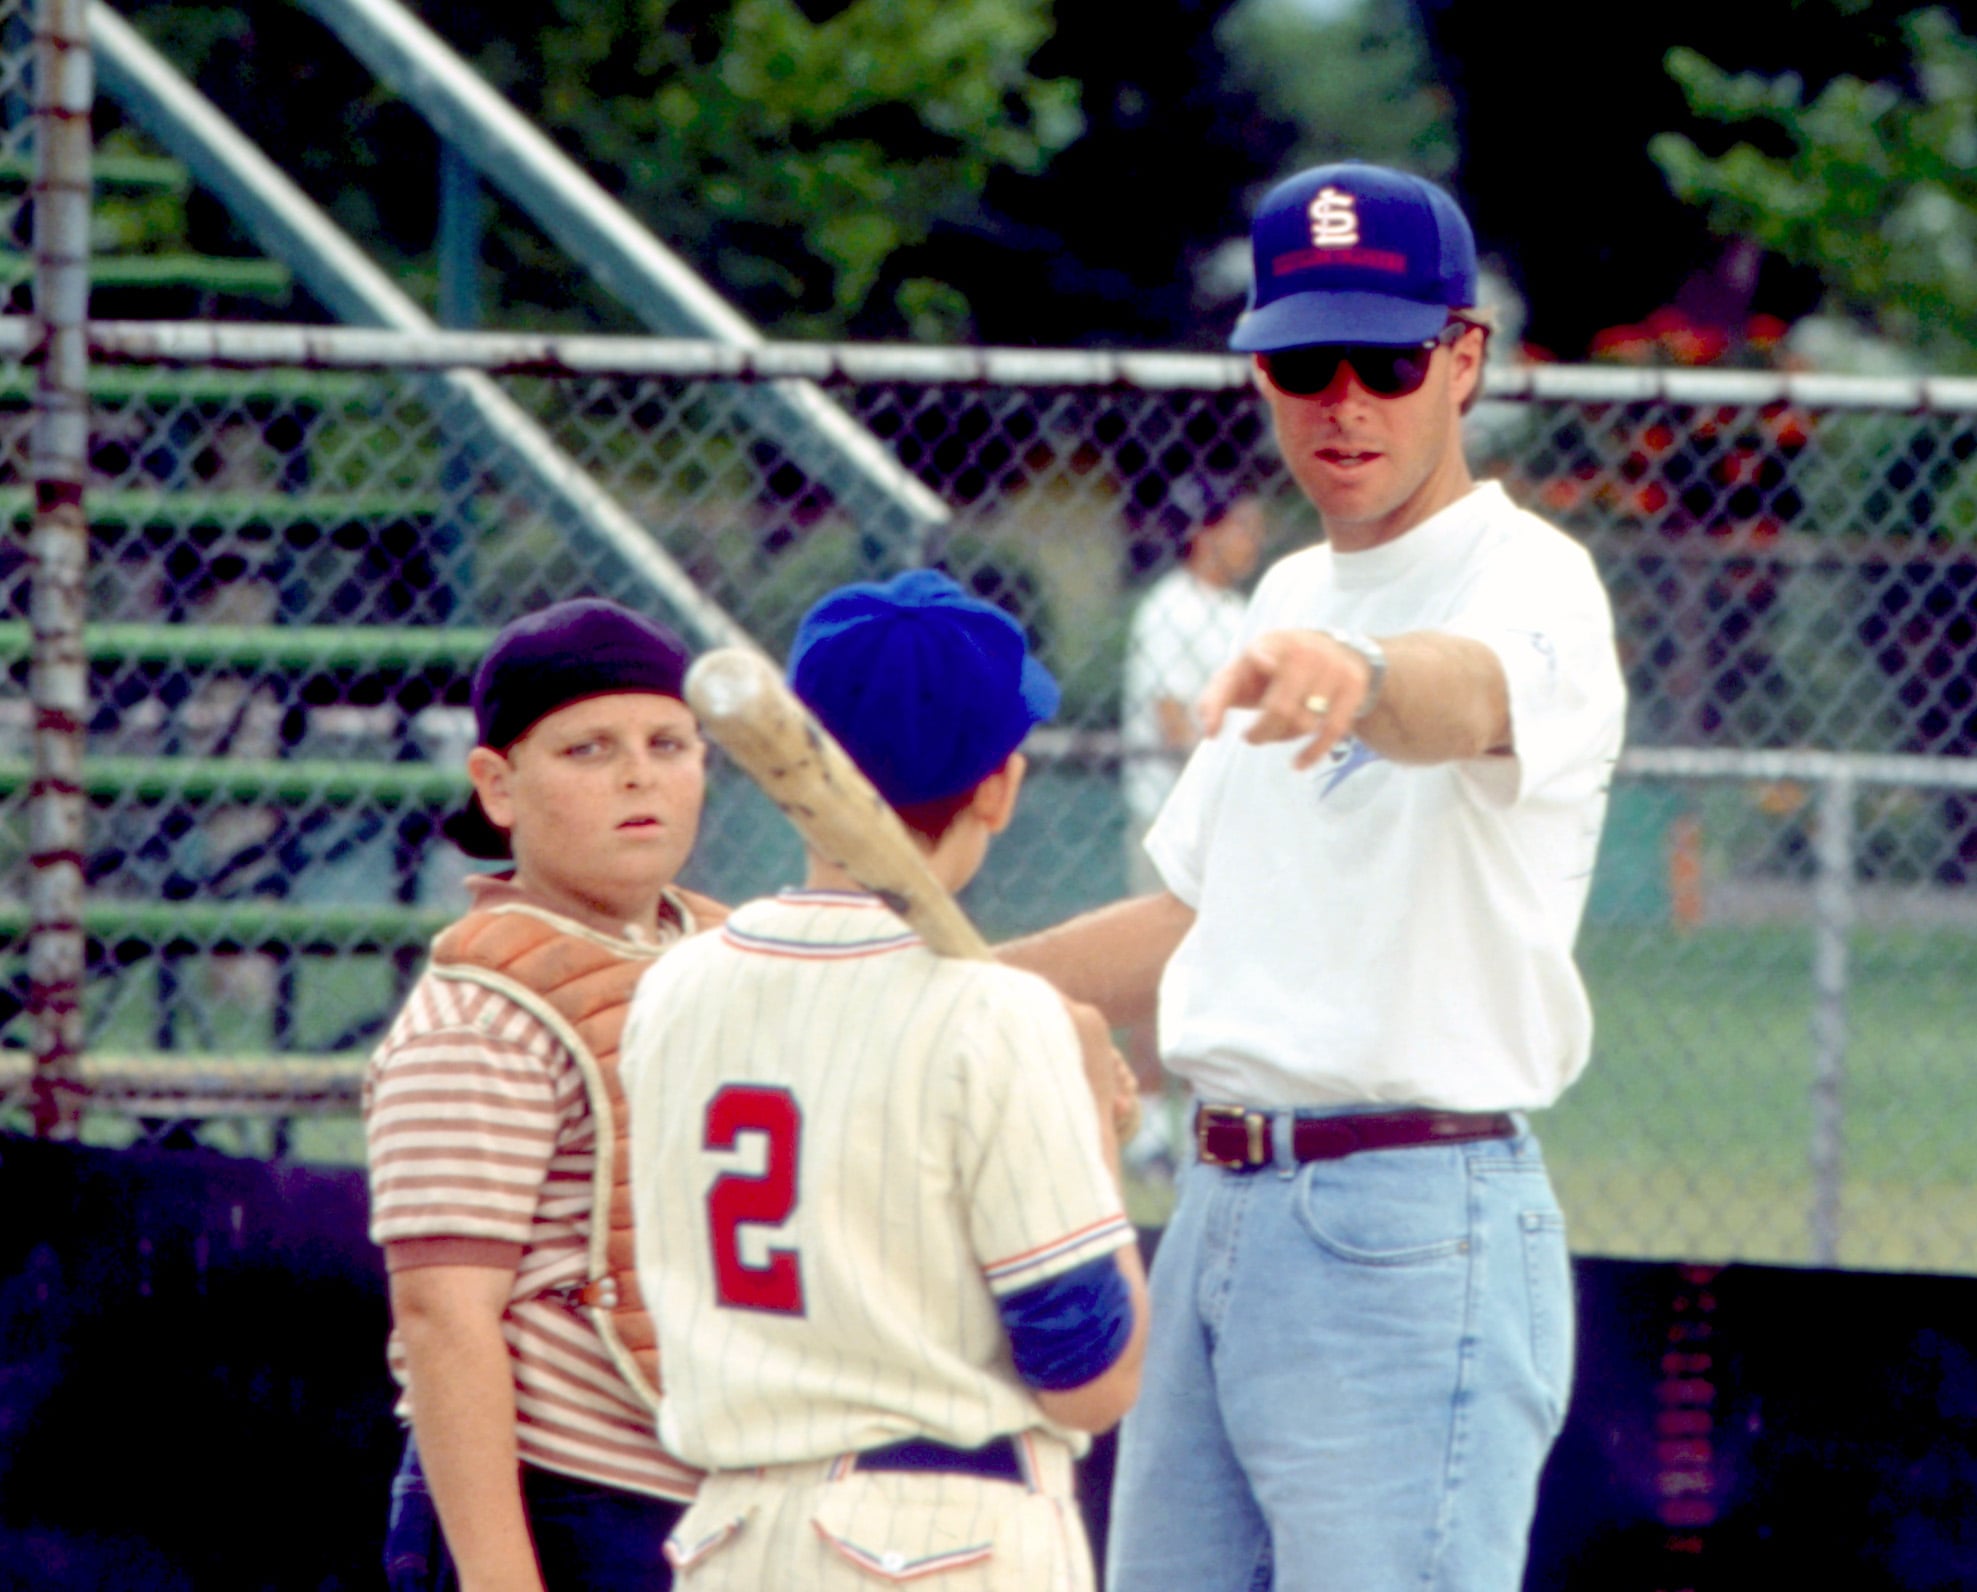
x: 479, y: 1129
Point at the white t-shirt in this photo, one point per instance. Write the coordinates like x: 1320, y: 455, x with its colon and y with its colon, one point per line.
x: 1182, y: 632
x: 1373, y: 933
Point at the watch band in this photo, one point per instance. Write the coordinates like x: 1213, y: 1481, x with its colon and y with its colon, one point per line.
x: 1376, y: 664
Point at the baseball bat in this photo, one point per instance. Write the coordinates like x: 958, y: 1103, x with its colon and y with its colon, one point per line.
x: 757, y: 720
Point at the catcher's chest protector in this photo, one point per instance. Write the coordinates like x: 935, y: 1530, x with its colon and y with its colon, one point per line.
x: 578, y: 983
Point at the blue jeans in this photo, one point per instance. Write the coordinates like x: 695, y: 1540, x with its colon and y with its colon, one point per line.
x: 588, y: 1537
x: 1355, y: 1371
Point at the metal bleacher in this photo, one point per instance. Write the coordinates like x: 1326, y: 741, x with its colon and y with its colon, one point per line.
x: 266, y: 646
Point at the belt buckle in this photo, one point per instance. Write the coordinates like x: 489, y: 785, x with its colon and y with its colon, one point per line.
x: 1251, y: 1128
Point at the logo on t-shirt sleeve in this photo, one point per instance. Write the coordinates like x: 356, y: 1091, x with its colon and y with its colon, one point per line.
x: 1544, y: 646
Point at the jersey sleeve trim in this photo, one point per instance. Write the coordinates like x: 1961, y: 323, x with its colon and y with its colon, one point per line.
x: 810, y: 951
x: 1070, y: 1329
x: 1017, y: 1272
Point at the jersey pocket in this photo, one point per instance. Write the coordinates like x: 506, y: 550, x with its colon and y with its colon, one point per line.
x: 701, y: 1533
x: 892, y: 1538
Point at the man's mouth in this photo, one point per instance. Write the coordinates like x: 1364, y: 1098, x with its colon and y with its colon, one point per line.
x: 1346, y: 458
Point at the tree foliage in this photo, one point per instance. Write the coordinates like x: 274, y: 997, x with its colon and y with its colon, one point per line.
x: 795, y: 151
x: 793, y: 158
x: 1871, y: 183
x: 1026, y: 171
x: 1106, y: 244
x: 1358, y: 84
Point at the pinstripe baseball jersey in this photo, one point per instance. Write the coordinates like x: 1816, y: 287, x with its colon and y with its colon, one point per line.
x: 845, y: 1150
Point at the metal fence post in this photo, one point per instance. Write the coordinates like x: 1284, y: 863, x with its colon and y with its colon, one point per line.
x: 59, y: 678
x: 1832, y: 920
x: 462, y: 223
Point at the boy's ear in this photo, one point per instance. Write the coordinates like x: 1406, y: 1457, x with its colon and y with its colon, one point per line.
x: 488, y: 769
x: 994, y: 803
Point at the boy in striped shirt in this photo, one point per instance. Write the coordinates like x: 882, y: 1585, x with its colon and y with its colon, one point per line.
x: 525, y: 1358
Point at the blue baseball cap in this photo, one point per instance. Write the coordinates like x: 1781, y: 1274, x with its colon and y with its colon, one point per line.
x: 1353, y: 253
x: 926, y: 688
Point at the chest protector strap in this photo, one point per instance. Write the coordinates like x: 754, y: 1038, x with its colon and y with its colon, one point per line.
x: 578, y: 983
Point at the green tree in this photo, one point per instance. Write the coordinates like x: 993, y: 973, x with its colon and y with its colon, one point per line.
x: 792, y: 159
x: 795, y: 162
x: 1871, y: 184
x: 1357, y: 84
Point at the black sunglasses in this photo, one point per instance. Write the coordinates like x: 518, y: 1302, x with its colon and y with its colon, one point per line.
x: 1383, y: 371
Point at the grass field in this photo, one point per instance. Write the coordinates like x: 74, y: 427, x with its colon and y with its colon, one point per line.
x: 1690, y: 1135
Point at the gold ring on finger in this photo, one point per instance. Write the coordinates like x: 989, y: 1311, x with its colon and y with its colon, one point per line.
x: 1317, y: 706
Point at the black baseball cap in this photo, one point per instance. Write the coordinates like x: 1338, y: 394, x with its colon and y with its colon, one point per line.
x: 585, y: 647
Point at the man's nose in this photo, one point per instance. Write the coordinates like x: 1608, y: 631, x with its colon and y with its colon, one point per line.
x: 1344, y: 387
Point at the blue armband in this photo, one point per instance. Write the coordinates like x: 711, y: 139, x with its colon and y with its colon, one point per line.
x: 1070, y: 1329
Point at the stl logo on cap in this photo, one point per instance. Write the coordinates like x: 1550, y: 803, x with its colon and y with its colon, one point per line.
x: 1334, y: 219
x: 1354, y: 253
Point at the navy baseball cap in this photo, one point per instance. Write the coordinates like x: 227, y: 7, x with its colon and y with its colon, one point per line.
x: 926, y: 688
x: 546, y: 660
x: 1353, y: 253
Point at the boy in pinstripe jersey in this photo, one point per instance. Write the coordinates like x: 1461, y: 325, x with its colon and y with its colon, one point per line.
x: 876, y: 1202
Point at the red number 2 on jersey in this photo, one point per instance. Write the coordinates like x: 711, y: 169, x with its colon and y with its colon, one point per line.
x: 738, y: 1198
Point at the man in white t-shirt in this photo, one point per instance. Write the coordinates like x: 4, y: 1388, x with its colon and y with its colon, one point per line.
x: 1374, y: 869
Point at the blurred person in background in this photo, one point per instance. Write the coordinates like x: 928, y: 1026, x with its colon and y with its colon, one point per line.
x: 1184, y: 629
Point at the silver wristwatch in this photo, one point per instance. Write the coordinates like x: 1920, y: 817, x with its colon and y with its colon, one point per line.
x: 1376, y: 663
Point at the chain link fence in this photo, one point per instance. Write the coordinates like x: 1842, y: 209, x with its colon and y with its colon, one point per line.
x: 301, y: 540
x: 298, y: 554
x: 16, y: 154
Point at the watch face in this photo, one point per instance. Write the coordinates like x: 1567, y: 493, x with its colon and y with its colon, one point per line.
x: 1376, y: 660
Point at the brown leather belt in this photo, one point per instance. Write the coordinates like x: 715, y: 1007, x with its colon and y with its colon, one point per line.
x: 1242, y: 1140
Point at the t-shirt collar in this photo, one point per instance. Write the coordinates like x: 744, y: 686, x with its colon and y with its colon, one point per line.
x: 1434, y: 539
